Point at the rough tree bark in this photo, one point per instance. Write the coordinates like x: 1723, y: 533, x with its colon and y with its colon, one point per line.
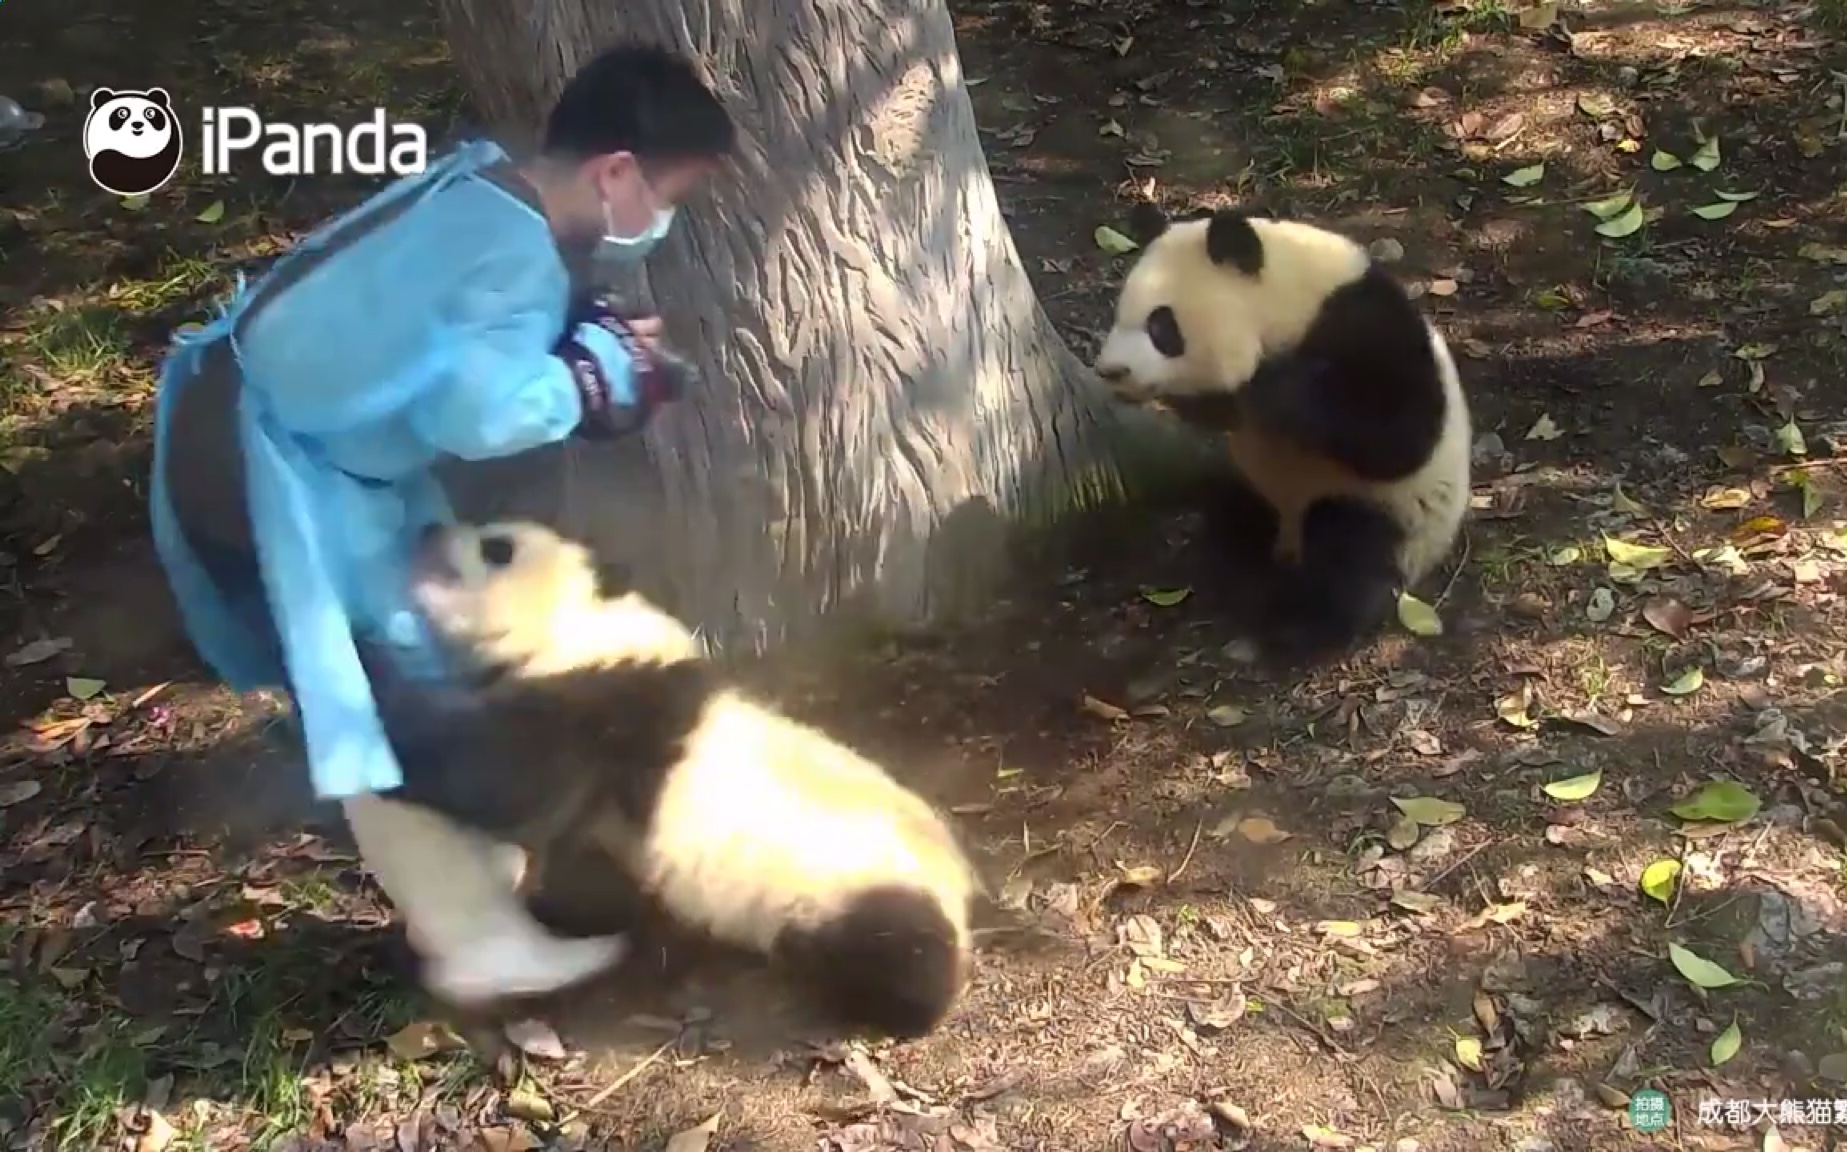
x: 882, y: 389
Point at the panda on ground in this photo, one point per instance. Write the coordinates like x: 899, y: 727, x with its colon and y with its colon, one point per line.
x: 1339, y: 404
x: 577, y: 712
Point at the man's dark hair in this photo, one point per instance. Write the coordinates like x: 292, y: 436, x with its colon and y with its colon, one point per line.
x: 643, y: 99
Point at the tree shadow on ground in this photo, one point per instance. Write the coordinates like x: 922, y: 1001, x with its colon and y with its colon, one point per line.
x: 292, y: 941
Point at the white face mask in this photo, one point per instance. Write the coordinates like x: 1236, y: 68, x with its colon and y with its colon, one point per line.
x: 614, y: 246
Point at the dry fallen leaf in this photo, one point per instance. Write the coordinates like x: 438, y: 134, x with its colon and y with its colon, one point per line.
x: 38, y: 651
x: 1611, y: 1097
x: 1430, y: 811
x: 1539, y: 17
x: 1415, y: 901
x: 1218, y: 1015
x: 535, y: 1038
x: 1446, y: 1092
x: 1261, y: 830
x: 415, y: 1041
x: 156, y: 1132
x: 18, y: 792
x: 1543, y: 429
x: 1103, y: 710
x: 1497, y: 914
x: 1624, y: 503
x: 696, y: 1139
x: 526, y: 1104
x: 1140, y: 876
x: 1227, y: 715
x: 510, y: 1139
x: 1319, y: 1136
x: 1668, y: 615
x: 1720, y: 498
x: 1468, y: 1052
x: 1833, y: 1067
x: 1512, y: 709
x: 1142, y: 936
x: 1486, y: 1014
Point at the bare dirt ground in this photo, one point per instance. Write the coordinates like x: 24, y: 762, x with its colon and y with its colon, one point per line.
x: 1435, y: 898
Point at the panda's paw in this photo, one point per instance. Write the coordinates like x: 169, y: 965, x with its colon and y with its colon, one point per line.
x: 1301, y: 628
x: 1291, y: 645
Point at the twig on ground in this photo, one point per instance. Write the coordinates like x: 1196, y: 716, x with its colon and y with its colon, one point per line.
x: 1464, y: 859
x: 1661, y: 527
x: 1320, y: 1033
x: 1188, y: 858
x: 616, y: 1085
x: 1455, y: 573
x: 1808, y: 465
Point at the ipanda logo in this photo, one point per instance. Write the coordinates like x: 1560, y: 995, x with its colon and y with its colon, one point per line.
x: 132, y: 139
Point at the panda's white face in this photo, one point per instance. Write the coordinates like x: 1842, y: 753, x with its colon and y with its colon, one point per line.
x: 129, y: 123
x: 501, y: 592
x: 1184, y: 325
x: 1209, y: 300
x: 518, y: 595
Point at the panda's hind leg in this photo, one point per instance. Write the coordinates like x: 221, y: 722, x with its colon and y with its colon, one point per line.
x: 1344, y: 588
x: 1238, y: 520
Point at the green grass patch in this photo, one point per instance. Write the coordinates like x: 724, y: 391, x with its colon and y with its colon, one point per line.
x: 83, y: 1074
x: 1426, y: 26
x: 257, y: 1044
x: 79, y: 345
x: 181, y: 279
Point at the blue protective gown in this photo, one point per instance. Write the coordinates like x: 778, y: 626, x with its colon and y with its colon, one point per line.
x: 423, y: 324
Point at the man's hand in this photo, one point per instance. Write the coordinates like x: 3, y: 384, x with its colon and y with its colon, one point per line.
x: 661, y: 376
x: 647, y: 330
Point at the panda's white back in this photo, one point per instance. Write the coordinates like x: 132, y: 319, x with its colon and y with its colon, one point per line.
x: 764, y: 821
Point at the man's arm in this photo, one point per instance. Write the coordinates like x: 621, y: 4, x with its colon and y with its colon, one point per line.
x: 501, y: 387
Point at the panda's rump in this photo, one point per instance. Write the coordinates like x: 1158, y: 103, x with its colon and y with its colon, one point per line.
x: 764, y: 822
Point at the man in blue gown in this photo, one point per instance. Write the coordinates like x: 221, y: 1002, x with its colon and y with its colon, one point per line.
x: 295, y: 439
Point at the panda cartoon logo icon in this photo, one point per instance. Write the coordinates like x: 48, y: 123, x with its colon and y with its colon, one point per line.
x: 132, y: 139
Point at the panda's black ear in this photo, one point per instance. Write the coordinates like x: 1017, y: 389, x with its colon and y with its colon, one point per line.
x: 1230, y: 240
x: 1146, y: 222
x: 159, y: 96
x: 100, y: 97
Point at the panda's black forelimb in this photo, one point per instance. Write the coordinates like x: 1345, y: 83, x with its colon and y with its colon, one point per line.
x: 1207, y: 411
x: 529, y: 762
x: 1363, y: 386
x: 1238, y: 519
x: 1219, y: 410
x: 1343, y: 590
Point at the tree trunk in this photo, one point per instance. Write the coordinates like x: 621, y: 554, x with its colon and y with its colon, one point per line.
x: 882, y: 390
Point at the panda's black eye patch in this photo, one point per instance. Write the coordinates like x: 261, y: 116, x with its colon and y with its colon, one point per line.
x: 156, y: 119
x: 1163, y: 329
x: 118, y: 117
x: 497, y: 551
